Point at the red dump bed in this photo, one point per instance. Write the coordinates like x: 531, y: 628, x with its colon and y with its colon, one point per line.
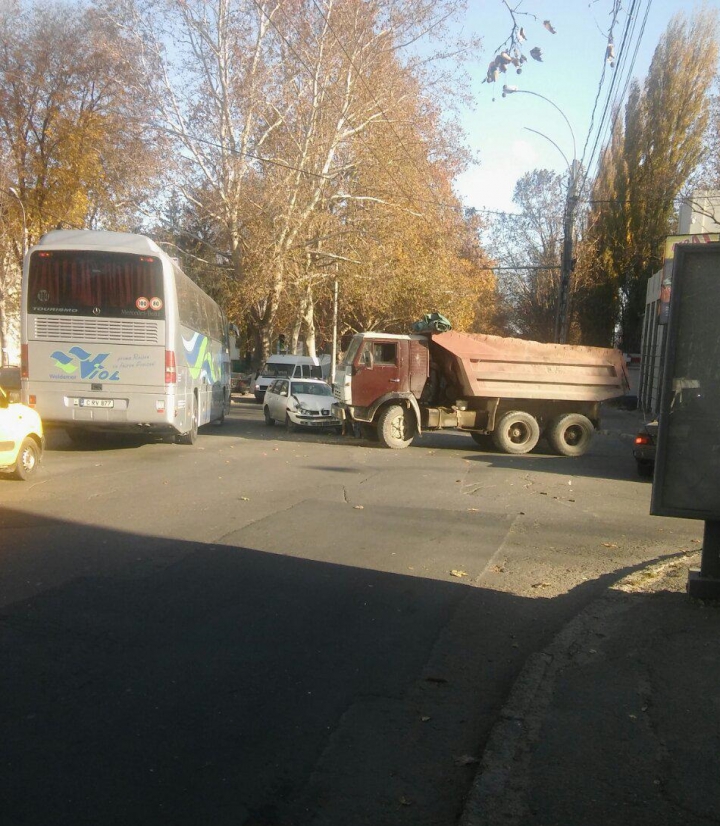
x: 502, y: 367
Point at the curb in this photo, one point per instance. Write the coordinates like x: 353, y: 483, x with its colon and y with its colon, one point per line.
x: 499, y: 792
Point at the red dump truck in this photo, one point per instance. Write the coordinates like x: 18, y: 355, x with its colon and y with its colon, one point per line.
x: 506, y: 390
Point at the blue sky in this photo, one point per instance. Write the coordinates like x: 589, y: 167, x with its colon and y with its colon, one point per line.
x: 569, y: 76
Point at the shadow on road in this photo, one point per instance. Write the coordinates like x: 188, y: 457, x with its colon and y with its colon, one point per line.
x: 148, y: 680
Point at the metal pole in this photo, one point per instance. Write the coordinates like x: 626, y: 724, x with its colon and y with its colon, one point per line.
x: 13, y: 191
x: 562, y: 317
x: 335, y: 335
x: 705, y: 583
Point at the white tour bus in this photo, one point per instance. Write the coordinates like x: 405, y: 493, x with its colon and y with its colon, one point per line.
x: 115, y: 337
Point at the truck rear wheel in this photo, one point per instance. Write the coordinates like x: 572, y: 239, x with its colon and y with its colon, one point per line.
x: 570, y: 435
x: 395, y: 427
x: 516, y: 432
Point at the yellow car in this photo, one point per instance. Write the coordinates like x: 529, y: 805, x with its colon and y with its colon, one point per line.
x: 22, y: 441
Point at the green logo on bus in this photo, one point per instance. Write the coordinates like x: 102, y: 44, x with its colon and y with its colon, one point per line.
x: 90, y: 367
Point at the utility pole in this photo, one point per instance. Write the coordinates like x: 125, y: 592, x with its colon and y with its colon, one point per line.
x: 335, y: 328
x: 562, y: 317
x: 562, y: 314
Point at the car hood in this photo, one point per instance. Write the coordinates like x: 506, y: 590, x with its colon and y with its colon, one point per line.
x: 312, y: 402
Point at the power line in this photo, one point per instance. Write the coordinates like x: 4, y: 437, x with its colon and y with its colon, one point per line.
x: 611, y: 111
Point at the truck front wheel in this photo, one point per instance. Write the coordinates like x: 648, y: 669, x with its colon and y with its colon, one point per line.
x: 395, y: 427
x: 516, y: 432
x: 570, y: 435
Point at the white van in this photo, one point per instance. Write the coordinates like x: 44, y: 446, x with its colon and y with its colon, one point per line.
x: 298, y: 367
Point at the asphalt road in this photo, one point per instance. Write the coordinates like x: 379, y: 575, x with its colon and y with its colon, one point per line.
x: 288, y: 630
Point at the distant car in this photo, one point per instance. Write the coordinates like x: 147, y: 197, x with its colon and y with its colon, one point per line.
x: 300, y: 404
x: 644, y: 448
x: 22, y: 440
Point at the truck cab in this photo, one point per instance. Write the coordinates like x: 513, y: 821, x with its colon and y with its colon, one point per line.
x: 379, y: 371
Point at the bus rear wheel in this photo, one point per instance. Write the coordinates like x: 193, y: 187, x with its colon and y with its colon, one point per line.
x: 190, y: 437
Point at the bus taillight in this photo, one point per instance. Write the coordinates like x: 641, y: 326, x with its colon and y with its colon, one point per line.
x: 24, y: 361
x: 170, y: 369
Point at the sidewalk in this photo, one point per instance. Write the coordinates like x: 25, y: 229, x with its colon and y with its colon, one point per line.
x: 617, y: 721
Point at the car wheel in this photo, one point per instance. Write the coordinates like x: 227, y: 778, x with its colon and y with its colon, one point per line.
x: 27, y: 460
x: 645, y: 468
x: 269, y: 421
x: 259, y: 397
x: 570, y: 435
x: 517, y: 432
x: 290, y: 426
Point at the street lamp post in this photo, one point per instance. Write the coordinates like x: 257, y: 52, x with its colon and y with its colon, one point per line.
x: 562, y: 315
x: 13, y: 191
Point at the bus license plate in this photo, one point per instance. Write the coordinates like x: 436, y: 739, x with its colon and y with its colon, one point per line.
x: 96, y: 403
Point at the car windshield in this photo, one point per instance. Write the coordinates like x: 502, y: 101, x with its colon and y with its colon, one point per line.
x: 308, y: 388
x: 272, y: 371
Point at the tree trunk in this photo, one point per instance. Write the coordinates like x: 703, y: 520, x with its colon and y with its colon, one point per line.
x: 309, y: 321
x: 4, y: 356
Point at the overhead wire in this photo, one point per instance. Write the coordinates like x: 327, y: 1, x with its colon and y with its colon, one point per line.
x: 618, y: 88
x: 617, y: 5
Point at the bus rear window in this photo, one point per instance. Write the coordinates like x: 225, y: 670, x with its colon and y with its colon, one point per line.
x: 65, y: 282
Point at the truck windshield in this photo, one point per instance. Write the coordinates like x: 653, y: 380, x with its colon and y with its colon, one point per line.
x: 351, y: 352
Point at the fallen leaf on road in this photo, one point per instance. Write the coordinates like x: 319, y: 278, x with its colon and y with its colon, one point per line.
x: 358, y: 507
x: 465, y: 760
x: 244, y: 498
x: 404, y: 801
x: 541, y: 585
x: 609, y: 545
x: 458, y: 573
x: 424, y: 719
